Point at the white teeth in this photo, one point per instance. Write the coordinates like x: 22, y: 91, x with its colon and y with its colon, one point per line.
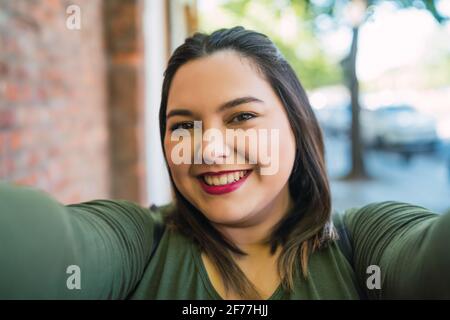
x: 224, y: 178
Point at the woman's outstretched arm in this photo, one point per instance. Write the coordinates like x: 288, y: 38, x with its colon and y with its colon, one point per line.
x: 409, y: 244
x: 93, y: 250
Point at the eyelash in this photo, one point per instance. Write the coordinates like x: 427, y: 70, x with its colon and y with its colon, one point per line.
x: 243, y: 114
x: 191, y: 125
x: 181, y: 124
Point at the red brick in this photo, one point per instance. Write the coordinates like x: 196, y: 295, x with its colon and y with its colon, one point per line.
x: 55, y: 132
x: 15, y: 140
x: 29, y: 180
x: 3, y: 69
x: 7, y: 119
x: 11, y: 92
x: 42, y: 72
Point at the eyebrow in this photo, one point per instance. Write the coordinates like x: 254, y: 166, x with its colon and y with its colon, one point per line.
x: 227, y: 105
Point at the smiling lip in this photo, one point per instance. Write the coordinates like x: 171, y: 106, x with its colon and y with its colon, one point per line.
x: 227, y: 188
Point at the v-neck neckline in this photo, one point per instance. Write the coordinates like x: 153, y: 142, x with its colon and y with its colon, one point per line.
x: 196, y: 252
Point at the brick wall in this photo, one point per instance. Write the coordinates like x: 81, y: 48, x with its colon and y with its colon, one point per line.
x: 53, y: 99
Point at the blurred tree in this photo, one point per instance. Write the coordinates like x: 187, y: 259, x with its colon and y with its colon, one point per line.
x: 350, y: 12
x: 289, y: 29
x: 355, y: 13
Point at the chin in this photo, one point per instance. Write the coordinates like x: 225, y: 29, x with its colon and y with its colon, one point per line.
x: 225, y: 214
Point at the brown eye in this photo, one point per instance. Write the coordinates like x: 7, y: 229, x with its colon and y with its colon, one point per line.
x: 242, y: 117
x: 188, y: 125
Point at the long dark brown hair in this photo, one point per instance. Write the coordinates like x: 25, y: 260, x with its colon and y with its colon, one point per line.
x: 305, y: 228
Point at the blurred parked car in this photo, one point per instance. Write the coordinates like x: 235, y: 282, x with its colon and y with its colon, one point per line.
x: 335, y: 120
x: 399, y: 127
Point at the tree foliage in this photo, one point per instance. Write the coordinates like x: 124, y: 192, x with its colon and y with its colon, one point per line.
x: 314, y: 66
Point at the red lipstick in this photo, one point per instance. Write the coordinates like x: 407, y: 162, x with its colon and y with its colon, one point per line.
x: 217, y: 190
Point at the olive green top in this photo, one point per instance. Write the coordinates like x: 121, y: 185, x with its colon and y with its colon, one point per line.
x: 110, y: 245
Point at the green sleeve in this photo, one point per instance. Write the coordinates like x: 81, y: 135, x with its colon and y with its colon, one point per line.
x: 109, y: 241
x: 410, y: 245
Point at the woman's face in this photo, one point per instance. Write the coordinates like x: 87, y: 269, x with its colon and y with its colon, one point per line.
x: 235, y: 183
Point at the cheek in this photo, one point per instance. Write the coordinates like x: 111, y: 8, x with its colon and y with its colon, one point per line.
x: 281, y: 165
x: 282, y: 150
x: 179, y: 171
x: 288, y: 146
x: 276, y: 149
x: 168, y: 147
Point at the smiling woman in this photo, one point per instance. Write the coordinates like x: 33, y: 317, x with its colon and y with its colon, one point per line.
x: 234, y: 65
x: 231, y: 232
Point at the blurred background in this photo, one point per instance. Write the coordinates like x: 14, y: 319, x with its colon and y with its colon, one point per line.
x: 80, y: 86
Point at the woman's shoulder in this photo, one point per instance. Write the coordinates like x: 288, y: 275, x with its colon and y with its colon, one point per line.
x: 393, y: 210
x: 124, y: 209
x: 385, y: 217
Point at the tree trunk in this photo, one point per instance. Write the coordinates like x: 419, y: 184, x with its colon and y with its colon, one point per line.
x: 358, y: 170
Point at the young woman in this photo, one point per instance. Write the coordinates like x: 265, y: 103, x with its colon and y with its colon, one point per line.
x: 232, y: 232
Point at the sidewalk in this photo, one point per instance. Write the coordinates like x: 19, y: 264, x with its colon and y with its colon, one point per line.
x: 424, y: 181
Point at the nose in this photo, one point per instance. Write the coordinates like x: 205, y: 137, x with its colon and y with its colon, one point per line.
x: 216, y: 152
x: 214, y: 148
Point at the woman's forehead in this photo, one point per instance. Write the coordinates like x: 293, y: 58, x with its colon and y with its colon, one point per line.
x: 212, y: 80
